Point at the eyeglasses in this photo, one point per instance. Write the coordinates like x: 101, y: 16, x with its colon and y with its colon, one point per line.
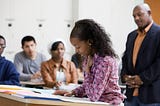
x: 2, y: 46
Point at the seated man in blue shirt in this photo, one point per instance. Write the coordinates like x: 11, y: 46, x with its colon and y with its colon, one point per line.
x: 8, y: 72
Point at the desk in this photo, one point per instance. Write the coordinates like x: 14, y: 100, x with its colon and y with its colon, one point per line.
x: 10, y: 100
x: 32, y: 84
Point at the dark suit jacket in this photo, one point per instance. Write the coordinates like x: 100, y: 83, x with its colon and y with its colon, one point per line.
x: 147, y: 65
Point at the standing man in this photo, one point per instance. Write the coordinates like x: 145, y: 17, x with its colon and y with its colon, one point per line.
x: 8, y: 72
x: 141, y: 61
x: 29, y: 60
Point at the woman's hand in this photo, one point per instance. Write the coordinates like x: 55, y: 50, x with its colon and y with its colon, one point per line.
x: 60, y: 92
x: 63, y: 93
x: 69, y: 94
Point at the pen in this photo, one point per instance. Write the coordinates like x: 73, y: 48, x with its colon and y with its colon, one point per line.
x: 37, y: 92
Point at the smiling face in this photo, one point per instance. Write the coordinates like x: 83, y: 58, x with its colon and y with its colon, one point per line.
x: 81, y: 47
x: 142, y: 17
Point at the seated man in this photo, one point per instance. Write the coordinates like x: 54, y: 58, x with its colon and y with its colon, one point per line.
x: 8, y: 72
x: 29, y: 60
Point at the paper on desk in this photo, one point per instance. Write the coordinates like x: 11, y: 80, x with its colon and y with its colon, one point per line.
x: 9, y: 87
x: 80, y: 100
x: 47, y: 94
x: 68, y: 87
x: 42, y: 91
x: 33, y: 95
x: 30, y: 93
x: 84, y: 100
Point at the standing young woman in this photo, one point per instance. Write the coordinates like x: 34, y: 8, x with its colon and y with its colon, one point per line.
x: 57, y: 70
x: 100, y: 66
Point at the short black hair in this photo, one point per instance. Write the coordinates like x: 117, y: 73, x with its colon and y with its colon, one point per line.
x: 55, y: 45
x: 27, y: 38
x: 3, y: 38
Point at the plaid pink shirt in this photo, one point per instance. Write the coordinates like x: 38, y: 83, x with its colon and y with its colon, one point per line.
x: 101, y: 84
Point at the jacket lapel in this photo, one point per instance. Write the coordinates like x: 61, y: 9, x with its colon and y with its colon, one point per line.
x: 131, y: 49
x: 145, y: 42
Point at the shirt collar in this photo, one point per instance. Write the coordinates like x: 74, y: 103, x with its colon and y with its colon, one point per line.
x: 63, y: 64
x: 146, y: 29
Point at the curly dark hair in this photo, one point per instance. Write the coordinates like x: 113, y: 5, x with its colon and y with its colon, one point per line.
x: 89, y: 30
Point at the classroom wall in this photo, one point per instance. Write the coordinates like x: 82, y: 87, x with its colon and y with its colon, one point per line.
x: 49, y: 20
x: 26, y: 16
x: 114, y: 15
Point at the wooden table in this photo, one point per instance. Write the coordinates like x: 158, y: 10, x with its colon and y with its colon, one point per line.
x: 10, y: 100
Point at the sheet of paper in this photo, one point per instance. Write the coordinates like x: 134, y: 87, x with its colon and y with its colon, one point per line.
x: 68, y: 87
x: 46, y: 94
x: 9, y: 87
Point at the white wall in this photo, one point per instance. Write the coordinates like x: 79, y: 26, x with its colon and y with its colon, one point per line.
x: 26, y: 15
x: 54, y: 15
x: 114, y: 15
